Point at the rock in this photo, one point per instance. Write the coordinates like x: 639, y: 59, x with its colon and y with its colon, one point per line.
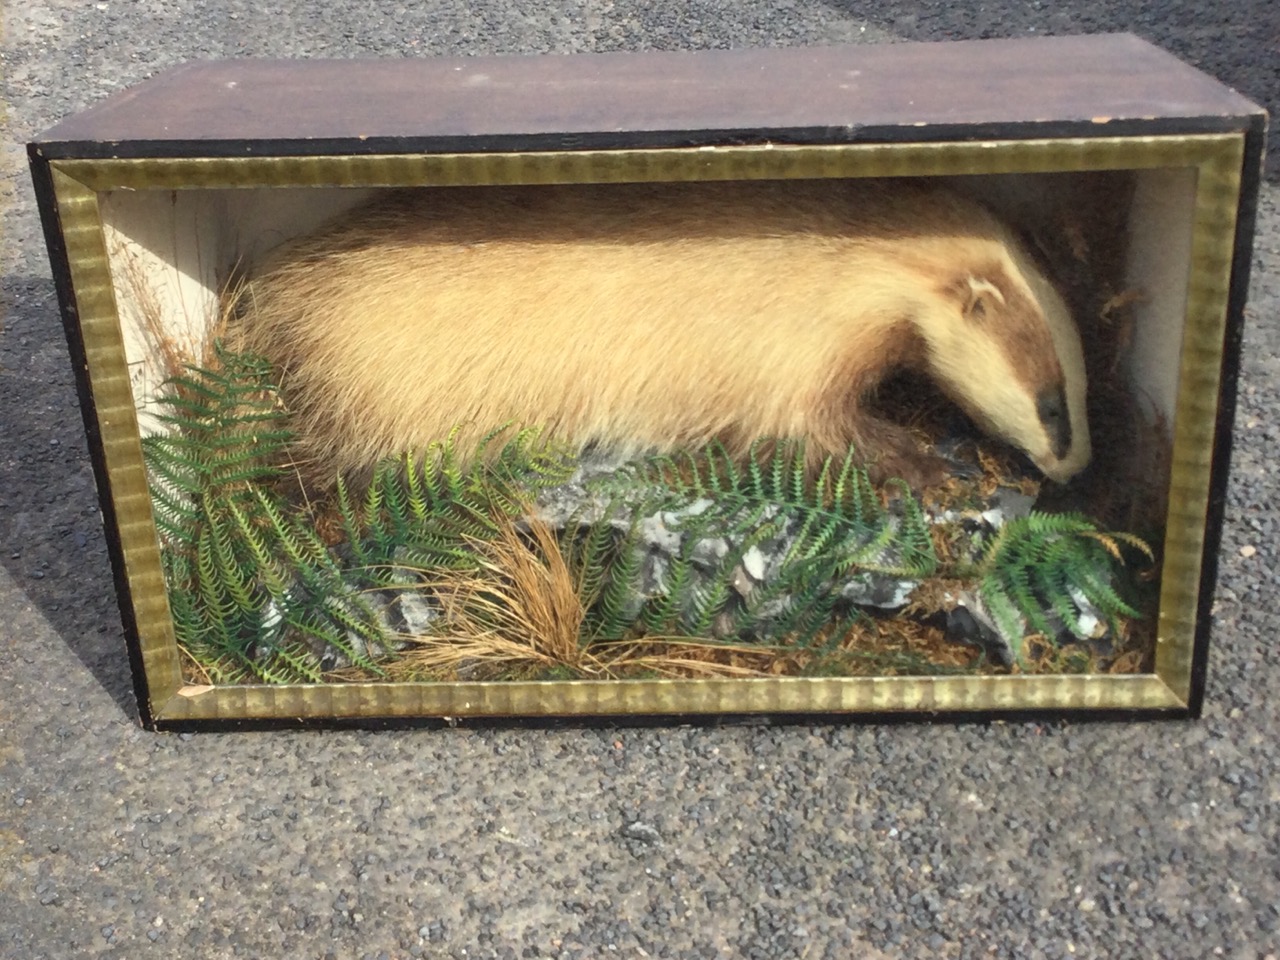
x: 1090, y: 624
x: 969, y: 623
x: 656, y: 535
x: 743, y: 582
x: 416, y: 610
x: 653, y: 579
x: 709, y: 551
x: 1013, y: 503
x: 644, y: 832
x: 878, y: 590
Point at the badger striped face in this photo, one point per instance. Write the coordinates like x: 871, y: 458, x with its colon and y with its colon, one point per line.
x: 1013, y: 362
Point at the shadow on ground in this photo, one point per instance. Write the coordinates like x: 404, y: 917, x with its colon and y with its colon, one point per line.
x: 51, y: 538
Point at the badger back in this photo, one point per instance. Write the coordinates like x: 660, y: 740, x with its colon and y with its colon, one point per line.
x: 637, y: 316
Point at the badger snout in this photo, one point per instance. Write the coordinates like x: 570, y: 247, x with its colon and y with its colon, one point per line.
x: 1051, y: 407
x: 1068, y: 451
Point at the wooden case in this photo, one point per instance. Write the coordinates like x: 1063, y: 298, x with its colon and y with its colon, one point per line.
x: 153, y: 197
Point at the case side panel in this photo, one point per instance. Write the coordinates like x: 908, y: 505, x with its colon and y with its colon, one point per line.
x: 1196, y: 436
x: 47, y: 199
x: 1251, y: 170
x: 111, y: 421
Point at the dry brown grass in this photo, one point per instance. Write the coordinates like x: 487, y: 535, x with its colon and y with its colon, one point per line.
x: 934, y: 595
x: 1041, y: 656
x: 194, y: 671
x: 520, y: 616
x: 174, y: 353
x: 897, y: 646
x: 518, y: 612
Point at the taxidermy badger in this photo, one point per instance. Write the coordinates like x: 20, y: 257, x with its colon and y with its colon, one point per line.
x: 641, y: 317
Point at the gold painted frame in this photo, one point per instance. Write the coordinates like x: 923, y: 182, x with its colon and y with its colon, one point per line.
x: 1216, y: 159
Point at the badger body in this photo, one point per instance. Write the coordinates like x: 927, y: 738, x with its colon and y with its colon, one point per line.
x: 652, y: 317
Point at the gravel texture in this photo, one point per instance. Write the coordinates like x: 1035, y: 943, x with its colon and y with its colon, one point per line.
x: 1027, y: 841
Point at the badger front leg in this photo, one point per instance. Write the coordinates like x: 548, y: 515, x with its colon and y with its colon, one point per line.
x: 890, y: 451
x: 887, y: 450
x: 839, y: 416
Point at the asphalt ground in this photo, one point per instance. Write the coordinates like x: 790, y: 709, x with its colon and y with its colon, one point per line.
x: 811, y: 841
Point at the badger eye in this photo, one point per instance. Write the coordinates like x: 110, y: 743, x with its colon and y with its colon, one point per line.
x: 978, y: 309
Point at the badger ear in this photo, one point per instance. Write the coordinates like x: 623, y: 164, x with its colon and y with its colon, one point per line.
x: 980, y: 298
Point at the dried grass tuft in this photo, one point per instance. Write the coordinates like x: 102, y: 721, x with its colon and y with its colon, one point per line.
x: 518, y: 612
x: 175, y: 353
x: 520, y: 616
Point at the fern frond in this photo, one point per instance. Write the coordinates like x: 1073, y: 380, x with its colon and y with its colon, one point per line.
x: 834, y: 527
x: 614, y: 614
x: 1043, y: 562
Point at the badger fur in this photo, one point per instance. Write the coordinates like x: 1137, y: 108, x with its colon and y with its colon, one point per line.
x: 645, y: 317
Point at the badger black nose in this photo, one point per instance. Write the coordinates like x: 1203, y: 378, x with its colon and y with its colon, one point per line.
x: 1051, y: 406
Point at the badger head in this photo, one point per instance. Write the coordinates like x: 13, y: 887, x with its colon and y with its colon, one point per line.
x: 1001, y: 343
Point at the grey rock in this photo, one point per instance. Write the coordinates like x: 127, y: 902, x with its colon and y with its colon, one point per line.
x: 754, y: 563
x: 878, y: 590
x: 656, y: 535
x: 415, y: 611
x: 644, y: 832
x: 709, y: 551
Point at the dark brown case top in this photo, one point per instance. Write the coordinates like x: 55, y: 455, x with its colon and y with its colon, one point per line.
x: 1049, y: 86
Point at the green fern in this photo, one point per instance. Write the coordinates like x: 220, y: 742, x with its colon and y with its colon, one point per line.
x: 425, y: 512
x: 248, y: 579
x: 221, y: 428
x: 606, y: 560
x: 1054, y: 563
x: 255, y: 593
x: 837, y: 527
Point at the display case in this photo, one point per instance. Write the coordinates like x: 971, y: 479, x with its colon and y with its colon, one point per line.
x: 853, y: 381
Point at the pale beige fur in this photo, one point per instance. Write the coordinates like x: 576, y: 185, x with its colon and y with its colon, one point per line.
x: 653, y: 316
